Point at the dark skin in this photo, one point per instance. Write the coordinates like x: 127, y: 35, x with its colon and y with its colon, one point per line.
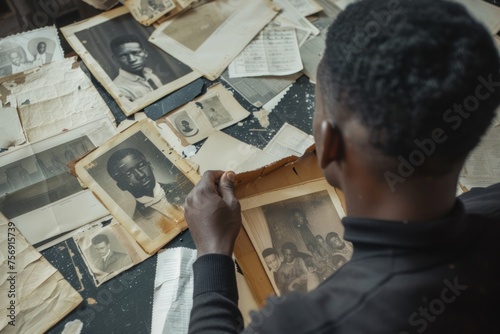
x: 347, y: 162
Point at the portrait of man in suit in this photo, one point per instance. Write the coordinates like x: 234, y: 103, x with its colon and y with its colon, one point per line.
x: 42, y: 56
x: 108, y: 260
x: 156, y: 204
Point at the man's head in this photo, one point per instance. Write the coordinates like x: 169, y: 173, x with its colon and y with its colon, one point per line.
x: 101, y: 244
x: 298, y: 216
x: 271, y: 258
x: 334, y: 241
x: 15, y: 59
x: 129, y: 52
x: 41, y: 47
x: 289, y: 251
x: 388, y: 84
x: 132, y: 172
x: 186, y: 126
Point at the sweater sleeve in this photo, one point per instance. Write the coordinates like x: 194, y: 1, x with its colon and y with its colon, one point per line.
x: 215, y: 296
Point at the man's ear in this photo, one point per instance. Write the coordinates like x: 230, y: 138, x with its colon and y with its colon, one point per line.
x: 332, y: 143
x: 145, y: 53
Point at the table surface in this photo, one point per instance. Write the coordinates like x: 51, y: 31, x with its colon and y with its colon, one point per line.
x: 124, y: 303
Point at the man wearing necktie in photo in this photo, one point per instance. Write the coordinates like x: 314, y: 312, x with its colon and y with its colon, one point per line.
x: 134, y: 79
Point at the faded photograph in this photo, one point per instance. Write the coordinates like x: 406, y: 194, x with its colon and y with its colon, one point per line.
x: 301, y: 242
x: 145, y: 184
x: 214, y: 110
x: 149, y: 8
x: 33, y: 48
x: 104, y: 257
x: 120, y: 46
x: 39, y: 179
x: 195, y: 26
x: 185, y: 125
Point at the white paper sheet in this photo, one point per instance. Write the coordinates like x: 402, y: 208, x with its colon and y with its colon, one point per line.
x: 173, y: 294
x: 306, y: 7
x: 293, y: 15
x: 223, y: 152
x: 289, y: 141
x: 274, y: 51
x: 11, y: 131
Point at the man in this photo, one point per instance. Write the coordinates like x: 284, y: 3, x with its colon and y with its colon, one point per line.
x: 424, y: 261
x: 42, y: 57
x: 154, y: 201
x: 338, y: 246
x: 16, y: 64
x: 292, y: 273
x: 272, y: 260
x: 134, y: 79
x: 109, y: 261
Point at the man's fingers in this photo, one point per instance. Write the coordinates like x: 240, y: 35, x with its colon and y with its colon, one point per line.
x: 226, y: 188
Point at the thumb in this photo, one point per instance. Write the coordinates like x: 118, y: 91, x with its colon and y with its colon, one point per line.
x: 226, y: 187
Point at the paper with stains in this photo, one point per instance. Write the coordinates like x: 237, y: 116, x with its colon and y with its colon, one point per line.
x: 38, y: 193
x: 107, y: 250
x: 289, y: 141
x: 53, y: 99
x: 223, y: 152
x: 11, y: 131
x: 207, y: 38
x: 31, y: 287
x: 143, y: 183
x: 274, y: 51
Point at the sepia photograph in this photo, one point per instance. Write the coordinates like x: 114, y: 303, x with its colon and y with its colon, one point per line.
x: 210, y: 36
x: 107, y: 250
x: 33, y: 48
x: 115, y: 48
x: 142, y: 181
x: 216, y: 109
x: 147, y: 12
x: 298, y: 235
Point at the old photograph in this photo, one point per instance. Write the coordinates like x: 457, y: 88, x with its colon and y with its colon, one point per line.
x: 107, y: 250
x: 33, y: 48
x: 216, y: 109
x: 147, y: 12
x: 297, y: 233
x: 210, y: 36
x: 142, y: 181
x: 37, y: 191
x: 115, y: 48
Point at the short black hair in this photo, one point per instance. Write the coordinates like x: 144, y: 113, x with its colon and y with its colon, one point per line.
x: 113, y: 160
x: 400, y: 76
x: 41, y: 43
x: 120, y: 40
x: 291, y: 246
x: 331, y: 235
x: 99, y: 239
x: 269, y: 251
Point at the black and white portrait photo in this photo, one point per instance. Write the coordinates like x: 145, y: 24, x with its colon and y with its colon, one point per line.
x: 33, y: 48
x: 105, y: 258
x: 215, y: 111
x: 299, y: 239
x: 139, y: 183
x: 116, y: 49
x: 185, y: 125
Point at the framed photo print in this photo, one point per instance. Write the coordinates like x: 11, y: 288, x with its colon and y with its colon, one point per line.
x: 298, y: 234
x: 115, y: 48
x: 142, y: 181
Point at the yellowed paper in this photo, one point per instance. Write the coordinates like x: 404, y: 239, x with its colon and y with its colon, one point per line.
x: 210, y: 36
x: 142, y: 181
x: 53, y: 98
x: 35, y: 296
x: 230, y: 153
x: 147, y: 12
x: 289, y: 141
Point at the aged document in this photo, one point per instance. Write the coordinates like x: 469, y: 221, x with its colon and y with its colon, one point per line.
x: 147, y: 12
x: 207, y: 38
x: 11, y: 131
x: 295, y: 17
x: 35, y: 296
x: 306, y: 7
x: 289, y: 141
x: 260, y: 90
x: 273, y: 52
x: 173, y: 294
x: 223, y: 152
x: 53, y: 98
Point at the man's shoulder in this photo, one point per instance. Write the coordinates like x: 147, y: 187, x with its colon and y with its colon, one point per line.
x: 483, y: 201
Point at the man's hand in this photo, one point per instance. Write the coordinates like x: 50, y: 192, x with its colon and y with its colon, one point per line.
x: 213, y: 213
